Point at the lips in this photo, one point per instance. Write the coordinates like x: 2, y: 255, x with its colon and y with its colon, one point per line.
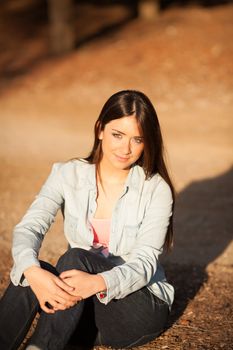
x: 122, y: 159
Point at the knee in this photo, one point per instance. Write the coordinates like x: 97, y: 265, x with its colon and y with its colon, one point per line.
x: 71, y: 259
x: 46, y: 266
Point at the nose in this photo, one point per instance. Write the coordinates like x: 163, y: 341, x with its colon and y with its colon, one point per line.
x: 126, y: 147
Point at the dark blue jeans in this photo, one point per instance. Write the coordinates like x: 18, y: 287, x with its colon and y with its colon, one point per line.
x: 132, y: 321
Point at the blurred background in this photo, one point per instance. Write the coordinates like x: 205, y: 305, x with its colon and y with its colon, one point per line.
x: 60, y: 60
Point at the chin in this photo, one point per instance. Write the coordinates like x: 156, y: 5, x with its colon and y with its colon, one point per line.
x: 121, y: 165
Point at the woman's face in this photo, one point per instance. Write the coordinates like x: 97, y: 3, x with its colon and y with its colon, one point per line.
x: 122, y: 143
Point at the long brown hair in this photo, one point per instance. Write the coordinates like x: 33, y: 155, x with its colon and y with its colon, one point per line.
x: 127, y: 103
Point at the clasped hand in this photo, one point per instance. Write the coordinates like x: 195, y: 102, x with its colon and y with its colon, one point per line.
x: 64, y: 291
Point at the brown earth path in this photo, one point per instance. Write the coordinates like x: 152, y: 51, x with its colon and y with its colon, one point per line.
x: 183, y: 62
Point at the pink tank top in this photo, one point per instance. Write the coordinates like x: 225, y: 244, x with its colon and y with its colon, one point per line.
x: 101, y: 229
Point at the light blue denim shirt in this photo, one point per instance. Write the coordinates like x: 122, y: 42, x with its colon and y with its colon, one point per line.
x: 138, y: 227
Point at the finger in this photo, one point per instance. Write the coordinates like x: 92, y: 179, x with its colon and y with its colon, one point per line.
x: 64, y: 302
x: 60, y: 283
x: 60, y: 304
x: 67, y: 297
x: 73, y: 303
x: 46, y: 308
x: 68, y: 273
x: 79, y: 299
x: 56, y: 305
x: 60, y: 307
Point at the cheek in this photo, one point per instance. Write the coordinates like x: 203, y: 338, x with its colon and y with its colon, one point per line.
x: 107, y: 144
x: 139, y: 150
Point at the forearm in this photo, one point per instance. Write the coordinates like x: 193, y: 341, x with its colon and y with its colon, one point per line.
x: 31, y: 271
x: 84, y: 283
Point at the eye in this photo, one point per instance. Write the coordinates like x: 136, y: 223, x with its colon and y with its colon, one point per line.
x: 138, y: 140
x: 116, y: 135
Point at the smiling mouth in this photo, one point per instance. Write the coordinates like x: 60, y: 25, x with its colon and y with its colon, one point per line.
x: 122, y: 159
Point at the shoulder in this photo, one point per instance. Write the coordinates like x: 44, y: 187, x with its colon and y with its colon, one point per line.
x: 158, y: 182
x: 74, y: 170
x: 154, y: 183
x: 71, y: 166
x: 160, y: 191
x: 154, y: 187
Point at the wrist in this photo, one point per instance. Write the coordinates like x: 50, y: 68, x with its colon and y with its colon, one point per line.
x: 30, y: 270
x: 100, y: 285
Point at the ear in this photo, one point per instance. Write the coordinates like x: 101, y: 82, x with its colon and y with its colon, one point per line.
x: 100, y: 135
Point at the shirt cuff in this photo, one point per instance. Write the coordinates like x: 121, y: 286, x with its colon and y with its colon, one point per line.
x: 113, y: 285
x: 102, y: 297
x: 17, y: 271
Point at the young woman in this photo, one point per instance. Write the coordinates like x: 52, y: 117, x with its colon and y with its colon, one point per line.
x: 109, y: 287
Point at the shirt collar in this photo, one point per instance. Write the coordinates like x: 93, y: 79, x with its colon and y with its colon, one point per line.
x: 135, y: 174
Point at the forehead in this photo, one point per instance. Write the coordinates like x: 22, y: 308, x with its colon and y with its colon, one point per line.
x: 127, y: 125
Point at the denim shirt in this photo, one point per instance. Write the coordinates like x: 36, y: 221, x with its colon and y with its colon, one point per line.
x: 138, y: 227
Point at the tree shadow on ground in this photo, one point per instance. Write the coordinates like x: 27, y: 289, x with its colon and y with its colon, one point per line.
x: 24, y: 37
x: 25, y: 32
x: 203, y: 230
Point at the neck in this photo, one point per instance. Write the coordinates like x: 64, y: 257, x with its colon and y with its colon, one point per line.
x: 110, y: 174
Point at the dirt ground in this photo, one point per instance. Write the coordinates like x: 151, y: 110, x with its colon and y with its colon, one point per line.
x: 183, y: 62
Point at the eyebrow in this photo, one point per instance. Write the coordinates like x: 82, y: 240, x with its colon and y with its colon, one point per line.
x: 122, y: 133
